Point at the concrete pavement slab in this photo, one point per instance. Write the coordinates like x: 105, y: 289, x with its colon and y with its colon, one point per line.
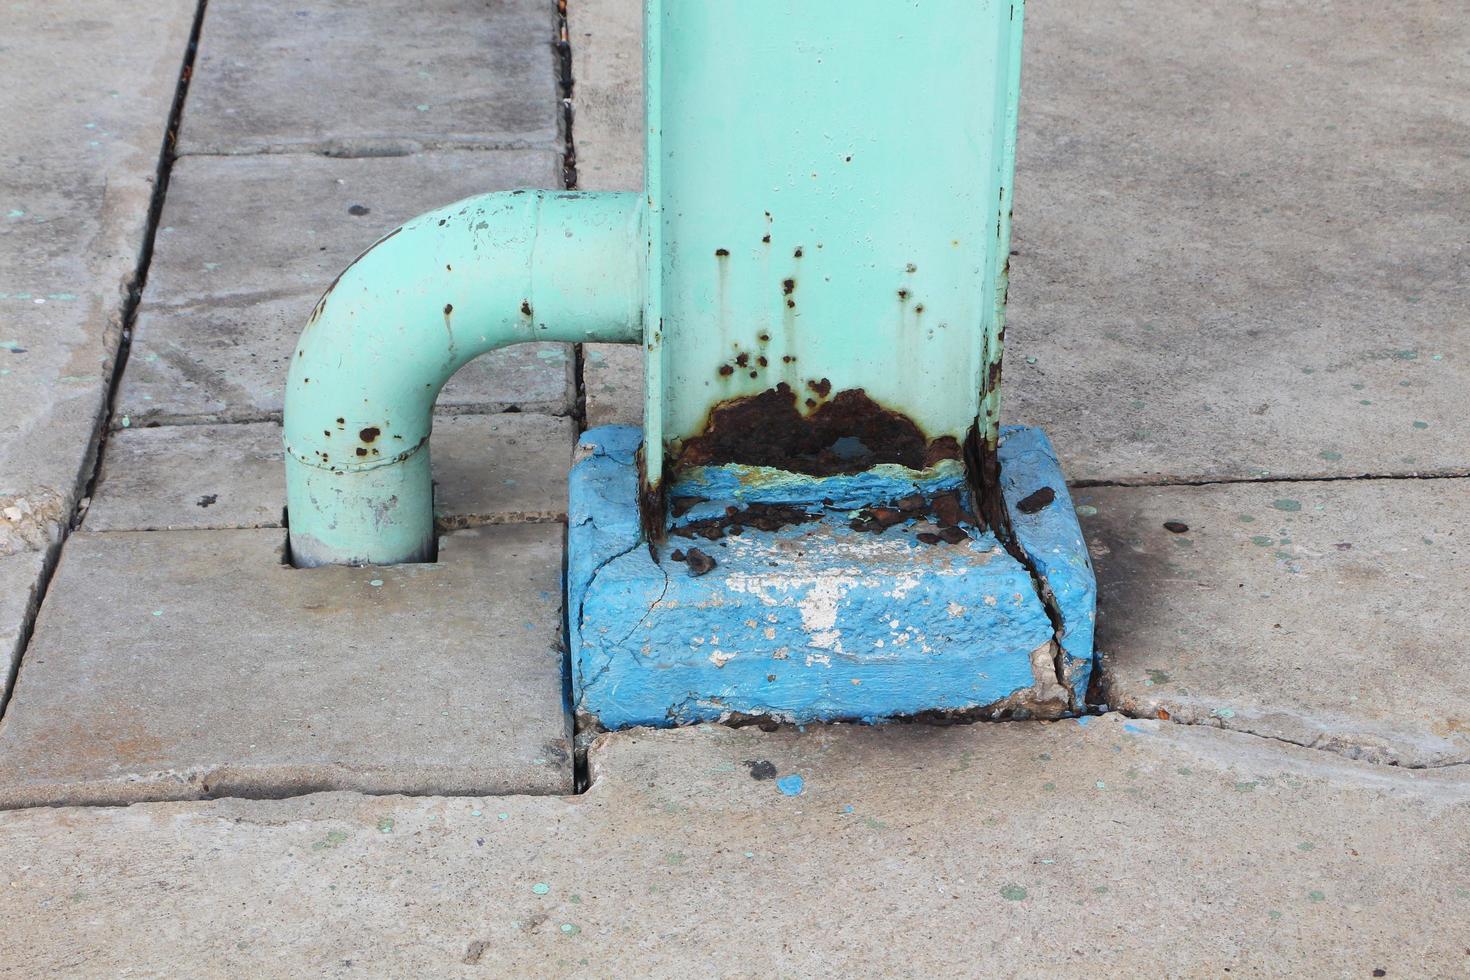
x: 1323, y: 613
x: 190, y: 477
x: 606, y: 37
x: 1020, y: 849
x: 383, y: 77
x: 247, y: 245
x: 612, y: 379
x: 489, y: 469
x: 501, y: 469
x: 86, y: 102
x: 189, y: 664
x: 1246, y: 260
x: 1249, y: 264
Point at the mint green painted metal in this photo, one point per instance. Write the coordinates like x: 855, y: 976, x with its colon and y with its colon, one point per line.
x: 828, y: 192
x: 830, y: 187
x: 417, y: 306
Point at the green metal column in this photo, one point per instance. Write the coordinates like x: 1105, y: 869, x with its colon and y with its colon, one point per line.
x: 830, y: 189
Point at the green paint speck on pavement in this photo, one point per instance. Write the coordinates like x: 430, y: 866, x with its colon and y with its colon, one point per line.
x: 385, y: 825
x: 1013, y: 893
x: 1287, y: 504
x: 540, y: 888
x: 1316, y: 896
x: 1087, y: 510
x: 570, y: 929
x: 1421, y: 425
x: 1330, y: 455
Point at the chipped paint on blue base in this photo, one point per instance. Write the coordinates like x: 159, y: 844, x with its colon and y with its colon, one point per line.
x: 811, y: 622
x: 1053, y: 542
x: 766, y: 485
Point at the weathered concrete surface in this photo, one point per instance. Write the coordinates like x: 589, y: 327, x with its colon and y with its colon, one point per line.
x: 612, y: 379
x: 1253, y: 263
x: 245, y: 247
x: 20, y: 578
x: 1250, y: 260
x: 489, y: 469
x: 188, y: 664
x: 385, y: 77
x: 1326, y: 613
x: 499, y: 469
x: 86, y: 102
x: 190, y: 477
x: 606, y: 38
x: 1020, y: 849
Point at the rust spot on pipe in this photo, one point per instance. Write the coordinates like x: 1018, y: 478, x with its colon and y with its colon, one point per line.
x: 370, y: 433
x: 847, y: 434
x: 526, y: 307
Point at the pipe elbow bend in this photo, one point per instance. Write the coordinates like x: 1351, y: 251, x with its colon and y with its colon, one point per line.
x: 414, y: 308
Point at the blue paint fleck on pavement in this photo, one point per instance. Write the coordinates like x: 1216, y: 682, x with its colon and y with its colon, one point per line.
x: 791, y: 785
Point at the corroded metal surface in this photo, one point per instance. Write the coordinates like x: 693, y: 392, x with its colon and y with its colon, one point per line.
x: 837, y: 220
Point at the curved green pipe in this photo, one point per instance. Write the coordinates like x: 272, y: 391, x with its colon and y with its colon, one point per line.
x: 425, y: 300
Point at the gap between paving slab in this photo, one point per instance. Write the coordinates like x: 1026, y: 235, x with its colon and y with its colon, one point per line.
x: 1178, y: 851
x: 87, y: 109
x: 61, y: 448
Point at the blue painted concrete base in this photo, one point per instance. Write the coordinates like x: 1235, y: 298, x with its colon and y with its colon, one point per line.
x: 816, y: 620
